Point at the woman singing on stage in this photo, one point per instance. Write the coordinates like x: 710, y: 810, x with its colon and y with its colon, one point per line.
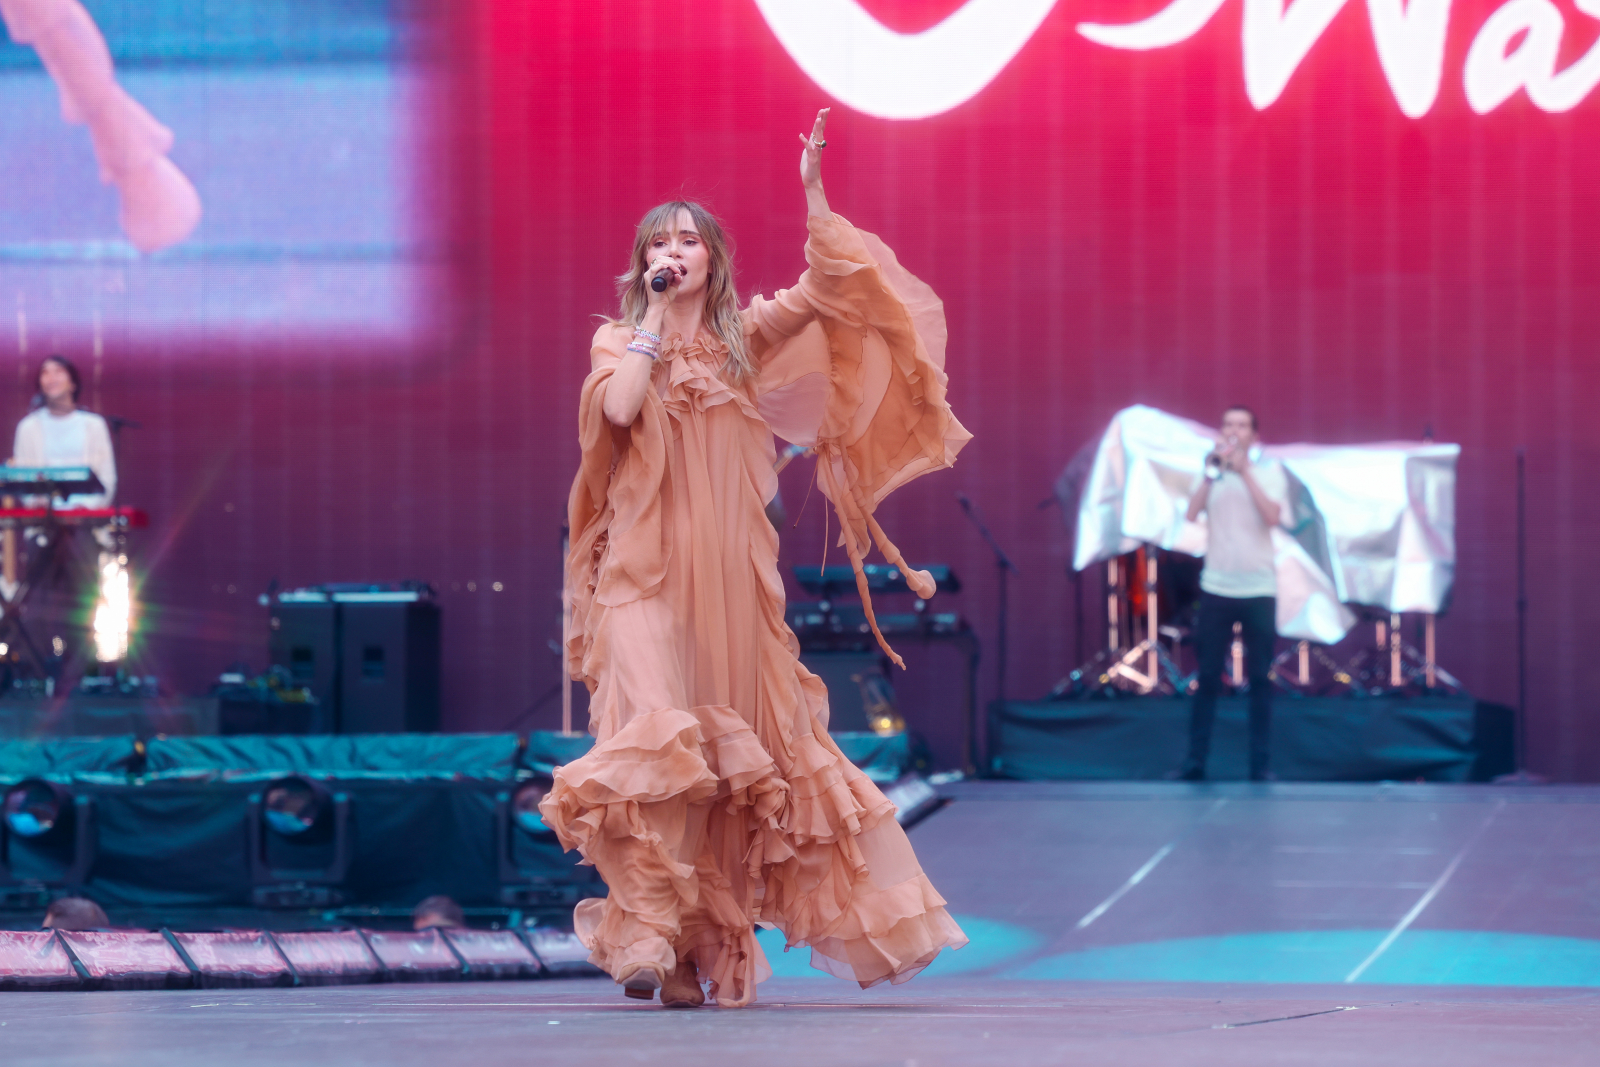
x: 714, y: 798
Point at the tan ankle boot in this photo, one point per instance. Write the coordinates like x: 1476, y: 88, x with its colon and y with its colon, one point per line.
x: 681, y: 989
x: 640, y: 981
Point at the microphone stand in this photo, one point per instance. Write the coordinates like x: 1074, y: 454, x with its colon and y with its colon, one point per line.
x: 116, y: 423
x: 1006, y: 567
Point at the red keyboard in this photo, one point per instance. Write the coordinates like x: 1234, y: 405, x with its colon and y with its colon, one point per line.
x: 132, y: 518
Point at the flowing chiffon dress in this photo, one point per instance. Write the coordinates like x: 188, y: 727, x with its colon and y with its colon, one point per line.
x: 714, y: 798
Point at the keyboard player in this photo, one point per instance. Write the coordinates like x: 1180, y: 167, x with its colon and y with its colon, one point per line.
x: 58, y: 433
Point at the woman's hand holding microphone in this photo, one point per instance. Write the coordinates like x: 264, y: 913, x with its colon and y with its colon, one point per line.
x: 665, y: 274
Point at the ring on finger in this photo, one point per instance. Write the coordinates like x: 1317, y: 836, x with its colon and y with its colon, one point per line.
x: 820, y: 144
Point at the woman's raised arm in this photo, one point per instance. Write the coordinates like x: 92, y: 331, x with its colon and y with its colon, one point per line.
x: 787, y: 313
x: 811, y: 167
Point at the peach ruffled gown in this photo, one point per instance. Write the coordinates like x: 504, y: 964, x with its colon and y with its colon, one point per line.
x: 714, y: 797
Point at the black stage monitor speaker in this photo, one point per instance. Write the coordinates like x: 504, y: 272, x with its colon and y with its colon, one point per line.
x: 390, y: 677
x: 370, y: 654
x: 843, y: 673
x: 304, y: 640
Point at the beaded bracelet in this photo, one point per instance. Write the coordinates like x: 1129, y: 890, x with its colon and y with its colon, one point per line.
x: 640, y: 331
x: 644, y: 349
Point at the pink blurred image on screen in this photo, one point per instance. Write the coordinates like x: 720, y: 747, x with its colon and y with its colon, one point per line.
x: 328, y: 954
x: 35, y: 959
x: 132, y: 956
x: 407, y: 953
x: 316, y: 221
x: 498, y: 952
x: 237, y: 954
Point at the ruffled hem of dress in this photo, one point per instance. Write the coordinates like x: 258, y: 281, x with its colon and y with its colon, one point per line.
x: 896, y: 954
x: 827, y: 804
x: 594, y: 806
x: 704, y: 754
x: 816, y: 884
x: 655, y: 757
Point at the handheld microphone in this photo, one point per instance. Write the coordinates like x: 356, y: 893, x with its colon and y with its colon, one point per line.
x: 659, y: 283
x: 1214, y: 460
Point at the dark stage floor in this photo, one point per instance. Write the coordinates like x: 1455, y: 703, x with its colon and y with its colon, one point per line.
x: 804, y: 1023
x: 1111, y: 924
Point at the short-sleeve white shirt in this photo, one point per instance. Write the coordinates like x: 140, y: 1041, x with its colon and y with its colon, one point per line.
x: 1239, y: 553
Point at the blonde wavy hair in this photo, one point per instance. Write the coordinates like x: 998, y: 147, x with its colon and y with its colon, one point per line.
x: 722, y: 316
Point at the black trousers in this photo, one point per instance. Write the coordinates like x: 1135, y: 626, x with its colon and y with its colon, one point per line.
x: 1258, y: 618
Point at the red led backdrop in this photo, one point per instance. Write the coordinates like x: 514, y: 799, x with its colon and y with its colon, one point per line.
x: 1106, y: 227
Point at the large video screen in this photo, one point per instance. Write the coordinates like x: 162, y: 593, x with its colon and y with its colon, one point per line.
x: 1370, y: 221
x: 293, y: 119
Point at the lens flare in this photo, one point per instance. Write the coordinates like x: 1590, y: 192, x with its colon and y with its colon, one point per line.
x: 114, y: 613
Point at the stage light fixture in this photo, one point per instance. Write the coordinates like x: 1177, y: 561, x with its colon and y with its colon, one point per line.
x: 299, y: 844
x: 525, y: 807
x: 34, y: 808
x: 53, y: 832
x: 532, y: 872
x: 294, y: 806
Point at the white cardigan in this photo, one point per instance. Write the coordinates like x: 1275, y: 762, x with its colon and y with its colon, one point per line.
x: 28, y: 451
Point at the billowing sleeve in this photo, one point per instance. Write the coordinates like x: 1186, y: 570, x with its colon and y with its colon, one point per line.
x: 852, y: 363
x: 620, y: 539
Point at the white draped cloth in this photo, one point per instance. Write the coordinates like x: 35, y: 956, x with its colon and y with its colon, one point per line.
x: 1370, y: 524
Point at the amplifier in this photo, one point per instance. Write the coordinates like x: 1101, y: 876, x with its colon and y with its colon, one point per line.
x: 853, y: 679
x: 881, y: 578
x: 825, y: 623
x: 370, y: 654
x: 304, y: 640
x: 389, y: 681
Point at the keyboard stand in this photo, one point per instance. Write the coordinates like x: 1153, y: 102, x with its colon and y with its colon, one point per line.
x: 57, y: 554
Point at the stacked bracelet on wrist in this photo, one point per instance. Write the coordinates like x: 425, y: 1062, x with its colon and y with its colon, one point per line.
x: 645, y: 343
